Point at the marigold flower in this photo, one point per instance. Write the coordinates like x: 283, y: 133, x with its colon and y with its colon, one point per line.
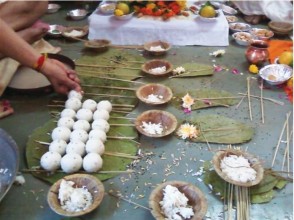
x: 253, y: 69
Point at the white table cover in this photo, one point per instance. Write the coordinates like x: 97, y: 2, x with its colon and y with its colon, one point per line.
x: 178, y: 30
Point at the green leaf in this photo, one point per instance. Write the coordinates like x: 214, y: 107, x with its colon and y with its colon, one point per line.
x: 267, y: 183
x: 34, y: 151
x: 217, y: 183
x: 281, y: 184
x: 206, y: 98
x: 262, y: 197
x: 195, y: 69
x: 220, y: 129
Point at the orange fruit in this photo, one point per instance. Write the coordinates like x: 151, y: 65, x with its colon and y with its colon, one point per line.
x: 286, y: 58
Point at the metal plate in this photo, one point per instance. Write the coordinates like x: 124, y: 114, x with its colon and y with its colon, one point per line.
x: 9, y: 162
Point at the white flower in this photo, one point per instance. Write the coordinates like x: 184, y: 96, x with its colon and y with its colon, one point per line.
x: 217, y: 53
x: 187, y: 131
x: 188, y: 101
x: 179, y: 70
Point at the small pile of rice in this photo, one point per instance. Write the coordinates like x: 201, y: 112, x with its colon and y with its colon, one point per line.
x: 158, y: 70
x: 174, y: 204
x: 154, y: 98
x: 156, y: 48
x: 152, y: 128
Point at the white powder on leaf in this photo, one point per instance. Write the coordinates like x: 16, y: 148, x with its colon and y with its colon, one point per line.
x: 238, y: 168
x: 152, y: 128
x: 73, y: 199
x: 175, y: 204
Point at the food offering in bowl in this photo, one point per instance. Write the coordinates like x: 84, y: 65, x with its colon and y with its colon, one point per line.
x: 157, y: 67
x: 124, y: 16
x: 55, y: 30
x: 280, y: 28
x: 52, y: 8
x: 276, y: 74
x: 107, y: 8
x: 177, y: 200
x: 242, y: 38
x: 231, y: 18
x: 156, y: 123
x: 77, y: 14
x: 123, y: 11
x: 238, y: 167
x: 157, y: 48
x: 75, y: 195
x: 228, y: 10
x: 75, y: 32
x: 239, y: 27
x: 262, y: 34
x: 154, y: 94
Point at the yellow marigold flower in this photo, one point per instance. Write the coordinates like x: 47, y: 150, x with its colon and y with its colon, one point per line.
x: 188, y: 101
x: 253, y: 69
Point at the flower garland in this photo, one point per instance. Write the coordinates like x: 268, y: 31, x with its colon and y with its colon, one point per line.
x: 165, y: 9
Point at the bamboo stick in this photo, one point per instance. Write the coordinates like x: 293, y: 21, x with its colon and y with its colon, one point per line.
x: 116, y: 79
x: 120, y: 155
x: 107, y: 66
x: 80, y: 171
x: 125, y: 105
x: 111, y: 95
x: 129, y: 201
x: 109, y: 87
x: 123, y: 125
x: 117, y: 117
x: 248, y: 97
x: 237, y: 106
x: 81, y: 73
x: 268, y: 99
x: 261, y: 102
x: 121, y: 138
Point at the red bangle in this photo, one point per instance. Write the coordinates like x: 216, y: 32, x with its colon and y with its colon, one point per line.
x: 40, y: 62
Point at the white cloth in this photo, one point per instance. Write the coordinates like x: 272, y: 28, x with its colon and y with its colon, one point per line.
x: 178, y: 30
x: 277, y: 10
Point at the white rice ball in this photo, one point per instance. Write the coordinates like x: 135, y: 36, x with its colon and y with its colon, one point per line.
x: 100, y: 124
x: 92, y: 162
x: 65, y: 122
x: 97, y: 134
x: 58, y: 146
x: 82, y: 124
x: 71, y: 162
x: 79, y: 134
x: 67, y: 112
x: 84, y: 114
x: 76, y: 146
x: 73, y: 103
x: 90, y: 104
x: 95, y: 146
x: 74, y: 94
x: 105, y: 104
x: 101, y: 114
x: 50, y: 161
x: 61, y: 133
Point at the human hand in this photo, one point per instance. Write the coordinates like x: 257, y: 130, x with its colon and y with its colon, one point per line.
x: 62, y: 79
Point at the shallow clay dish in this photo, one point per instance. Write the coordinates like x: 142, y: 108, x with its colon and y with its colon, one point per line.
x: 196, y: 199
x: 83, y: 32
x: 152, y: 64
x: 280, y: 28
x: 98, y: 44
x: 94, y: 186
x: 149, y: 47
x: 167, y: 120
x: 254, y: 162
x: 163, y: 92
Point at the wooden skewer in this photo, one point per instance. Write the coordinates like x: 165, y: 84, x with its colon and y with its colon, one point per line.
x: 60, y: 171
x: 248, y: 97
x: 81, y: 73
x: 114, y: 117
x: 125, y: 105
x: 57, y: 106
x: 280, y: 138
x: 111, y: 95
x: 237, y: 106
x: 123, y: 125
x: 268, y: 99
x: 121, y: 155
x: 261, y: 102
x: 121, y: 138
x: 134, y: 61
x: 109, y: 87
x: 122, y: 80
x: 106, y: 66
x: 129, y: 201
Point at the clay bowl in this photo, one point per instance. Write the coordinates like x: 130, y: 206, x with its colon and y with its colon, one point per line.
x: 254, y: 162
x: 167, y: 120
x: 157, y: 48
x: 162, y: 92
x: 280, y: 28
x: 149, y: 67
x: 98, y: 44
x: 75, y: 32
x: 196, y: 199
x: 93, y: 184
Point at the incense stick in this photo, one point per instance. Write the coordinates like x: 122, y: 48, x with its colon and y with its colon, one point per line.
x: 261, y: 102
x: 248, y: 97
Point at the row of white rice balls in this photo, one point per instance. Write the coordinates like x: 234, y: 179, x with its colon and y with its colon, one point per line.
x: 80, y: 142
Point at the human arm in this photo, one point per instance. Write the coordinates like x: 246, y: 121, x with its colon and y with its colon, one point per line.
x: 11, y: 45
